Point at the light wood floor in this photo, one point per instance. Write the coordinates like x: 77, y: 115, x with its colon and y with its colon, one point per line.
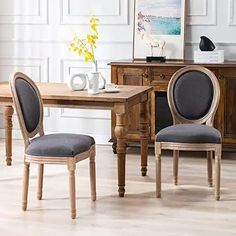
x: 189, y: 209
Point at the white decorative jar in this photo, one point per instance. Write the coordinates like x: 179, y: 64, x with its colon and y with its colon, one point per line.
x: 77, y: 82
x: 93, y: 82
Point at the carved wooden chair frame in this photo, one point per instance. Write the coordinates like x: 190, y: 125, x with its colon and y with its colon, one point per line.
x: 179, y: 119
x: 41, y: 160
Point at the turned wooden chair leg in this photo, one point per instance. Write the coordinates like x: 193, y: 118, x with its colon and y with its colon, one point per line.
x: 71, y: 168
x: 175, y: 166
x: 158, y: 169
x: 92, y: 177
x: 209, y: 168
x: 217, y: 172
x: 25, y: 186
x: 72, y: 193
x: 40, y: 181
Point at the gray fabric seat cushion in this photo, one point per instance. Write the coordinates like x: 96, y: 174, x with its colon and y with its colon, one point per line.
x: 60, y: 145
x: 189, y: 133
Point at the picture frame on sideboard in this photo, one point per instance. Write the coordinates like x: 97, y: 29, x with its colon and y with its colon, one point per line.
x: 159, y: 29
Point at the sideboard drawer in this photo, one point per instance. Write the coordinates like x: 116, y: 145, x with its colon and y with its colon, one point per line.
x: 161, y: 74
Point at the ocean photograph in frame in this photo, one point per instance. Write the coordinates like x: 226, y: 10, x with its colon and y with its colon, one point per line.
x: 159, y: 21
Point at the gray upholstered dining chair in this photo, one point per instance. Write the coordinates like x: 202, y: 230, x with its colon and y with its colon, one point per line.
x: 67, y: 149
x: 193, y: 96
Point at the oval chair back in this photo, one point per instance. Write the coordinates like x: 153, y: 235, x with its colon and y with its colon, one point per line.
x: 193, y: 95
x: 28, y: 104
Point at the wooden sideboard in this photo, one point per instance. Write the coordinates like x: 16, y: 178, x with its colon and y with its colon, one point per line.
x: 158, y: 75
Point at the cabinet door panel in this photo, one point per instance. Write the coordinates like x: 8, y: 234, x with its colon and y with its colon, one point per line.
x: 132, y: 76
x: 230, y: 107
x: 228, y: 113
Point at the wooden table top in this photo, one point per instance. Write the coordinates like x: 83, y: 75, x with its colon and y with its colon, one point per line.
x: 60, y: 91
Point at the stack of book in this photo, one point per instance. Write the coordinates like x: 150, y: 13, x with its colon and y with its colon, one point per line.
x: 216, y: 56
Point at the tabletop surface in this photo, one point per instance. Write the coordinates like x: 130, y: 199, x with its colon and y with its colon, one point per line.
x: 60, y: 91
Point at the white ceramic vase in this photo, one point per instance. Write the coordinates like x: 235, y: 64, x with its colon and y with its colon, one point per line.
x: 93, y: 82
x: 77, y: 82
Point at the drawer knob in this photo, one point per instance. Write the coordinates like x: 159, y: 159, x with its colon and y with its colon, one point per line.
x: 145, y: 75
x: 162, y: 76
x: 221, y: 77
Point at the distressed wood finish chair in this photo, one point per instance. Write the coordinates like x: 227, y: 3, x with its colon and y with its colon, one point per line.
x: 193, y: 97
x: 66, y: 149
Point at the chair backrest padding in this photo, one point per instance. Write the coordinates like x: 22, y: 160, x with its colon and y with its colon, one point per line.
x: 193, y: 94
x: 29, y: 103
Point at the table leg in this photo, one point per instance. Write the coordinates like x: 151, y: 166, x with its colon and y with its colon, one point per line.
x: 120, y: 132
x: 144, y: 136
x: 8, y: 112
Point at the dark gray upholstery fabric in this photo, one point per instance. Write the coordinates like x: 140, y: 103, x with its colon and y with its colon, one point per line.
x: 59, y: 145
x: 193, y: 95
x: 189, y: 133
x: 29, y: 103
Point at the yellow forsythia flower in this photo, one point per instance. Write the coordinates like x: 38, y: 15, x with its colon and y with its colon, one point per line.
x: 85, y: 46
x: 94, y: 20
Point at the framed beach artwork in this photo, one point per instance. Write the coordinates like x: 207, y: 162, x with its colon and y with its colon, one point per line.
x: 159, y: 28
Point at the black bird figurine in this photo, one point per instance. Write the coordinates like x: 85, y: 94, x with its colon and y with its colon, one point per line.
x: 206, y: 44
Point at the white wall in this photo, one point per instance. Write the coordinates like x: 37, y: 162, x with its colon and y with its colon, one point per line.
x: 34, y: 37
